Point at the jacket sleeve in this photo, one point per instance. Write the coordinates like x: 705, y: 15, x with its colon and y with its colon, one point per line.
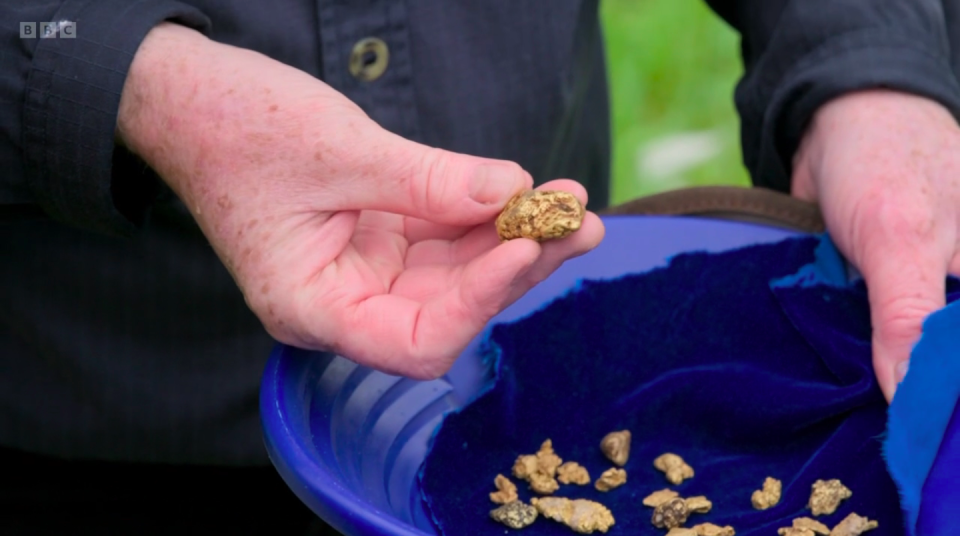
x: 59, y: 98
x: 799, y: 54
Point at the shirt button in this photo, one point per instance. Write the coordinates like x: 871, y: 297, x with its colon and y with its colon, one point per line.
x: 369, y: 59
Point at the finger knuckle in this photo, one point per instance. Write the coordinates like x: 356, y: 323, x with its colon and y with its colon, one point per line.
x: 433, y: 181
x: 901, y: 318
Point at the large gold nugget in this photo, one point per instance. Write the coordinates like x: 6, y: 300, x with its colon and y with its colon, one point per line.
x: 581, y: 515
x: 540, y: 216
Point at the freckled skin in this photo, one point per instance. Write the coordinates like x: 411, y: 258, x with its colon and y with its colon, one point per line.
x: 883, y: 165
x: 342, y: 236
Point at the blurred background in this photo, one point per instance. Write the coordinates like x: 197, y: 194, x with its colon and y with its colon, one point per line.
x: 673, y: 65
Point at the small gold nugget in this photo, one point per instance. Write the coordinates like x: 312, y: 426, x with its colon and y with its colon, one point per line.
x: 616, y: 447
x: 670, y: 514
x: 827, y: 496
x: 812, y: 525
x: 709, y: 529
x: 507, y: 491
x: 515, y: 514
x: 853, y: 525
x: 611, y: 478
x: 657, y: 498
x: 768, y: 496
x: 525, y: 466
x: 573, y: 473
x: 795, y: 531
x: 539, y: 469
x: 673, y: 467
x: 698, y: 504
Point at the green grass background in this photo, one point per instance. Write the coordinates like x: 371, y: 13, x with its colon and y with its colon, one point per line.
x: 673, y: 65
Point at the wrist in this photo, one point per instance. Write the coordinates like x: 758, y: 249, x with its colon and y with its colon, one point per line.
x: 148, y: 113
x: 827, y: 121
x: 862, y: 109
x: 824, y: 119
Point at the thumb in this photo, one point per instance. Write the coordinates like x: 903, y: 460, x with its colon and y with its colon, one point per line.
x: 444, y: 187
x: 904, y: 285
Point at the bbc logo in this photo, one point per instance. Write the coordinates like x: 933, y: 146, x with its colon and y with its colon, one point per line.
x: 64, y: 29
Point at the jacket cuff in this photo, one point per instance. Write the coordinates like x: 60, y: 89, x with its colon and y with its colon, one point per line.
x: 76, y: 171
x: 851, y: 62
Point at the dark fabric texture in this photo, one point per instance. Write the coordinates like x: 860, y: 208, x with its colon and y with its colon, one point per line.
x: 41, y: 496
x: 139, y: 356
x: 71, y: 100
x: 709, y: 358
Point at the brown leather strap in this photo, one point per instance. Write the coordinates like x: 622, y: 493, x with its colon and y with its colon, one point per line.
x: 756, y: 205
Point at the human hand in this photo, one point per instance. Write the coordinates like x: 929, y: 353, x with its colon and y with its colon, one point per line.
x: 341, y: 235
x: 885, y: 168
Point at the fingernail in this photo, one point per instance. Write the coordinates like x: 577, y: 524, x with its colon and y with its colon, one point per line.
x: 901, y: 371
x: 494, y: 184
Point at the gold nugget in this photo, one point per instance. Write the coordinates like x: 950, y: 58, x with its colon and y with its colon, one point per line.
x: 581, y: 515
x: 611, y: 478
x: 506, y: 490
x: 540, y: 216
x: 573, y: 473
x: 515, y: 514
x: 657, y: 498
x: 853, y: 525
x: 539, y: 469
x: 795, y: 531
x: 827, y: 496
x: 698, y: 504
x: 673, y: 467
x: 709, y: 529
x: 616, y: 447
x: 547, y: 459
x: 525, y: 466
x: 811, y: 524
x: 543, y: 484
x: 670, y: 514
x: 768, y: 496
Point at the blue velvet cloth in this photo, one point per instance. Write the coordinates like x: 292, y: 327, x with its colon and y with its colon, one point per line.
x: 923, y: 441
x: 749, y: 363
